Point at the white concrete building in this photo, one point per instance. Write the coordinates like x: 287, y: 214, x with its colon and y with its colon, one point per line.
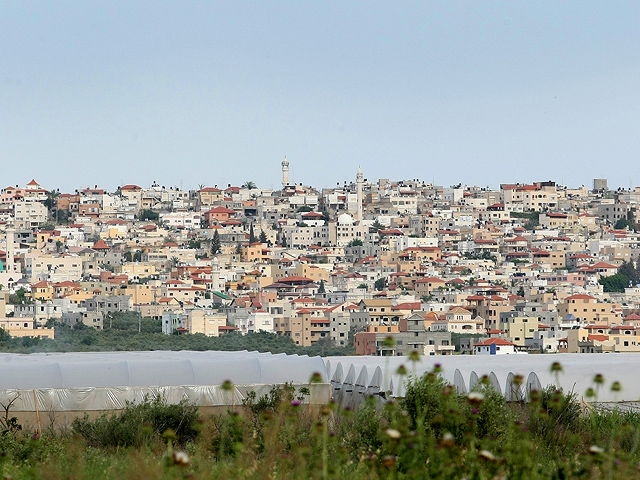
x: 53, y: 269
x: 181, y: 219
x: 495, y: 346
x: 29, y: 214
x: 256, y: 321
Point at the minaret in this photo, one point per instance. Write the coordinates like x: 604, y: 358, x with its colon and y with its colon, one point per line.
x: 359, y: 185
x: 9, y: 266
x: 285, y: 172
x: 215, y: 274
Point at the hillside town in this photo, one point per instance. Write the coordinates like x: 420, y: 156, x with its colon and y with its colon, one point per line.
x: 386, y: 266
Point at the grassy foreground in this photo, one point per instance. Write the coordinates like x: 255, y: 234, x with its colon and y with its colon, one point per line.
x: 432, y: 433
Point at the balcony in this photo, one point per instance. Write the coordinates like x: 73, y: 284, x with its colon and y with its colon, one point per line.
x: 445, y: 348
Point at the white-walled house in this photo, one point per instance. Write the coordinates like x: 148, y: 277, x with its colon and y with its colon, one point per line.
x: 190, y: 220
x: 256, y: 321
x: 495, y: 346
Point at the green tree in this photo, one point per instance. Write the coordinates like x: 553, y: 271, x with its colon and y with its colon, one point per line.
x: 63, y: 216
x: 356, y: 242
x: 321, y: 287
x: 376, y: 227
x: 148, y: 215
x: 249, y: 185
x: 304, y: 209
x: 48, y: 226
x: 4, y: 335
x: 629, y: 270
x: 627, y: 275
x: 174, y: 262
x: 263, y: 237
x: 532, y: 219
x: 381, y: 284
x: 614, y: 283
x: 252, y: 235
x: 51, y: 202
x: 19, y: 297
x: 623, y: 224
x: 216, y: 246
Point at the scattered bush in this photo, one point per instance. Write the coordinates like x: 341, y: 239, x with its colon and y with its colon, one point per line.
x: 433, y: 432
x: 140, y: 424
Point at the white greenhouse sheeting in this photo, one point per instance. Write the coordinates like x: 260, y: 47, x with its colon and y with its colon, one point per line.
x: 353, y: 378
x: 107, y: 380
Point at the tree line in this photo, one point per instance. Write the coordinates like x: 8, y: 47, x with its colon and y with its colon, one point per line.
x: 123, y: 336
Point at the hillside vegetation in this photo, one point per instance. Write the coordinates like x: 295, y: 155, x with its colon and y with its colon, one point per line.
x: 123, y: 335
x: 431, y: 433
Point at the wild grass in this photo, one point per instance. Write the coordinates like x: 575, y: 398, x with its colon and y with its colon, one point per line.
x: 433, y: 432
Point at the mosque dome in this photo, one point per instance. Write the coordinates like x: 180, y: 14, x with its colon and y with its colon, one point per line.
x: 345, y: 219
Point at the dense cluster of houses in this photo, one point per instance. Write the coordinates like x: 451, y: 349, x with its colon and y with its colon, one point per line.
x: 388, y: 266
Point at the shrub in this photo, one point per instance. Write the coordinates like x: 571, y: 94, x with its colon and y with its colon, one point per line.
x: 361, y: 429
x: 433, y: 405
x: 494, y: 415
x: 140, y: 423
x: 228, y: 433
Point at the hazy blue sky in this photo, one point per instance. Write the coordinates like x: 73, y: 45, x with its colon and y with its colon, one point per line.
x: 218, y: 92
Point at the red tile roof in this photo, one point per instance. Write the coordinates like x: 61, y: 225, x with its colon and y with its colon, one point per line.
x: 598, y: 338
x: 221, y: 210
x: 100, y: 245
x: 494, y: 341
x: 295, y: 279
x: 580, y: 297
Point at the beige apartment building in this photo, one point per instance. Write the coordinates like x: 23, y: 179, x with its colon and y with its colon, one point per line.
x: 586, y: 341
x: 537, y: 197
x: 209, y: 195
x: 206, y: 322
x: 345, y: 230
x: 143, y: 293
x: 305, y: 327
x: 375, y: 311
x: 53, y: 269
x: 313, y: 272
x: 519, y: 328
x: 136, y: 270
x: 589, y: 311
x: 29, y: 214
x: 21, y: 326
x: 426, y: 286
x: 458, y: 320
x: 558, y: 220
